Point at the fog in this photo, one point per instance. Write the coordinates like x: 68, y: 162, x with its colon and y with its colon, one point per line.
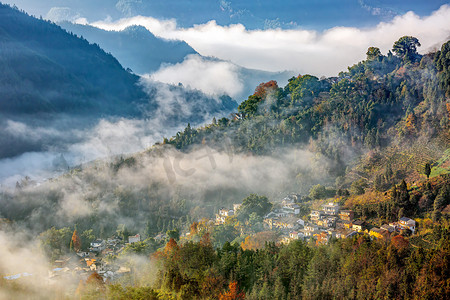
x: 204, y: 177
x: 217, y: 77
x: 40, y: 141
x: 159, y: 182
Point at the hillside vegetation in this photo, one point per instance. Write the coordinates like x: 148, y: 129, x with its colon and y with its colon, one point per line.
x: 373, y: 139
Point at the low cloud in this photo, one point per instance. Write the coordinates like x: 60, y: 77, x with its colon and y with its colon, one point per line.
x: 304, y: 51
x: 24, y: 270
x: 211, y: 76
x: 107, y: 138
x: 66, y: 141
x: 59, y: 14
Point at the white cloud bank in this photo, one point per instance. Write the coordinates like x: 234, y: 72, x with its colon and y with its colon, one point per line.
x: 210, y: 76
x: 305, y: 51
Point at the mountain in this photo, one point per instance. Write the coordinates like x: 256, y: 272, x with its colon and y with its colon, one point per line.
x: 353, y: 137
x: 57, y: 82
x: 45, y: 69
x: 138, y: 49
x: 392, y: 108
x: 374, y: 140
x: 135, y: 47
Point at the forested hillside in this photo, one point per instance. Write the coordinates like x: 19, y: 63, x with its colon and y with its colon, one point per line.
x: 374, y: 141
x: 45, y: 69
x: 388, y: 111
x: 58, y: 82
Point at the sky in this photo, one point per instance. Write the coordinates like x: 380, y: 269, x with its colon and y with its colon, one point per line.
x: 320, y: 37
x: 257, y: 14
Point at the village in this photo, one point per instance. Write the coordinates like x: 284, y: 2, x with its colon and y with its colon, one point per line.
x: 94, y: 260
x: 321, y: 225
x: 318, y: 227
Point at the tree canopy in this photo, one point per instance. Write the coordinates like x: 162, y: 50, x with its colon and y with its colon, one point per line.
x: 406, y: 48
x: 373, y: 53
x: 254, y: 204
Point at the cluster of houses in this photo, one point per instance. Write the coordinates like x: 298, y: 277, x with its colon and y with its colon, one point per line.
x: 76, y: 268
x: 286, y: 216
x: 331, y: 222
x: 85, y: 263
x: 387, y: 229
x: 224, y: 213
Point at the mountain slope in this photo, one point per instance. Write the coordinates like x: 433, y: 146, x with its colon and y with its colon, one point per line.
x: 45, y: 69
x: 135, y: 47
x: 56, y: 87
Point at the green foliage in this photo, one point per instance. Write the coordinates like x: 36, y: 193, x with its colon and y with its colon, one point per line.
x: 116, y: 291
x: 249, y: 107
x: 259, y: 205
x: 358, y: 268
x: 303, y: 89
x: 358, y: 187
x: 123, y: 232
x: 56, y: 242
x: 223, y: 233
x: 145, y: 247
x: 173, y: 234
x: 373, y: 53
x: 406, y: 48
x: 441, y: 166
x: 320, y: 192
x: 442, y: 62
x: 87, y: 237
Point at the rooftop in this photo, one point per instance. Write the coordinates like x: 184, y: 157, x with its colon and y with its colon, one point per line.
x: 358, y: 222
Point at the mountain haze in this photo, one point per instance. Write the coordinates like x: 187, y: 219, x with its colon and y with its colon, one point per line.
x: 141, y: 177
x: 45, y: 69
x: 55, y: 82
x: 135, y: 47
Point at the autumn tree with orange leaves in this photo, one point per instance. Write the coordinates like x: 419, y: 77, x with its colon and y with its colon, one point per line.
x: 171, y: 246
x: 249, y: 107
x: 264, y: 88
x: 76, y: 241
x: 233, y: 292
x: 258, y: 240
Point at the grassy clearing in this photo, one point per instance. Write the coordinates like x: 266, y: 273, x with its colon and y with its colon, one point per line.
x: 442, y: 166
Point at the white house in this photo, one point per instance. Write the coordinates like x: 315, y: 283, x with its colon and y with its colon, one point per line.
x: 316, y: 215
x: 294, y: 208
x: 134, y: 239
x: 226, y: 212
x: 407, y: 223
x: 293, y: 235
x: 310, y: 229
x: 331, y: 208
x: 236, y: 207
x: 98, y: 246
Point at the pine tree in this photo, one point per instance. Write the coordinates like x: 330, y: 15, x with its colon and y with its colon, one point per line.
x: 427, y: 170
